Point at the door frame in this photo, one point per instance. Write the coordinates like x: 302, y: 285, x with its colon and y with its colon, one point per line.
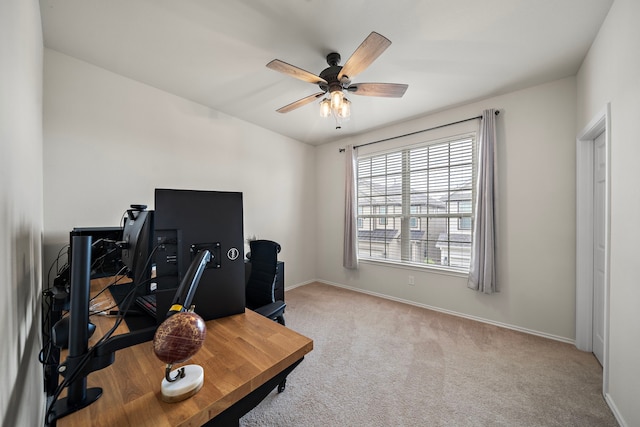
x: 584, y: 235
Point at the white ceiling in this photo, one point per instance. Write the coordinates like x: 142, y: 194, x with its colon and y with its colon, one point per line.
x: 214, y: 52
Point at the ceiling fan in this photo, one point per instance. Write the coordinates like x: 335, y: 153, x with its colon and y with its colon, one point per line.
x: 336, y: 79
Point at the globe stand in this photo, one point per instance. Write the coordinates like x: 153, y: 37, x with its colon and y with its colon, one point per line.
x: 188, y: 380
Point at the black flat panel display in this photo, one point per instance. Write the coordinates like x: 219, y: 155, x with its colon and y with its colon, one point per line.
x: 105, y: 255
x: 187, y: 221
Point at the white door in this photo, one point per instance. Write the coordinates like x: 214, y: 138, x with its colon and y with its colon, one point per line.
x: 599, y: 244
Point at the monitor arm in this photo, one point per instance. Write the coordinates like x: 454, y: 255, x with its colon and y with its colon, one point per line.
x: 103, y: 354
x: 187, y: 289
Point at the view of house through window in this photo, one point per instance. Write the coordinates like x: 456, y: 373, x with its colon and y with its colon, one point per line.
x: 415, y: 204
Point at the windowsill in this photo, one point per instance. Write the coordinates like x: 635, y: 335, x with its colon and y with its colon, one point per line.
x: 424, y: 269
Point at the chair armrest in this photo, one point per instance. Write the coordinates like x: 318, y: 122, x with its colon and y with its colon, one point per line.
x: 271, y: 310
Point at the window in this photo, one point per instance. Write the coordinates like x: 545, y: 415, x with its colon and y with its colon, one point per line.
x: 464, y: 222
x: 415, y: 204
x: 414, y: 221
x: 382, y: 219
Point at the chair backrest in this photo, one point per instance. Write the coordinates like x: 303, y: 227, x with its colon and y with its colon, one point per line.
x: 264, y: 259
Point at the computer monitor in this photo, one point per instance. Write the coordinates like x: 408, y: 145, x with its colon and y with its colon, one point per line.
x: 105, y: 255
x: 136, y: 244
x: 186, y: 222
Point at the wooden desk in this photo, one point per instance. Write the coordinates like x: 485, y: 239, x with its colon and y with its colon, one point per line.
x: 243, y: 358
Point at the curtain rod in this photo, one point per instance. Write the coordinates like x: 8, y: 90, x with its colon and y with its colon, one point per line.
x: 416, y: 132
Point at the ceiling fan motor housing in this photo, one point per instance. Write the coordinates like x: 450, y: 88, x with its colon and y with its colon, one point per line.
x: 331, y: 73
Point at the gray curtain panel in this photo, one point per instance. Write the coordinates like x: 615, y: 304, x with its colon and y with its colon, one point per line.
x: 350, y: 254
x: 482, y: 271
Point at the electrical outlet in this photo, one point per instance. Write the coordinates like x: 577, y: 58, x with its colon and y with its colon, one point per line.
x: 412, y: 280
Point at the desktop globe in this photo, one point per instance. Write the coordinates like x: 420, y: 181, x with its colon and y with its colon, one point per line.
x: 179, y: 337
x: 176, y: 340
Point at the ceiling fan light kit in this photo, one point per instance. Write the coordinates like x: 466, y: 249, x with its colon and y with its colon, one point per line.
x: 336, y: 79
x: 336, y: 99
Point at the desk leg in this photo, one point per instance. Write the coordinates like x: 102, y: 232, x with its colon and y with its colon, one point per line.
x: 231, y: 416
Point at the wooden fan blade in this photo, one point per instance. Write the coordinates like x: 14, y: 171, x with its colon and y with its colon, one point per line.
x: 293, y: 71
x: 300, y: 102
x: 389, y: 90
x: 365, y: 54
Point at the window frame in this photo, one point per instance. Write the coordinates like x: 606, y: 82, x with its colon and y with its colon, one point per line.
x: 409, y: 219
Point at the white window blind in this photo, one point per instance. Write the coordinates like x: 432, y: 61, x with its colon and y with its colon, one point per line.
x: 415, y: 204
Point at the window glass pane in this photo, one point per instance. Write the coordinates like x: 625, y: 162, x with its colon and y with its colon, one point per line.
x: 378, y: 165
x: 378, y: 185
x: 382, y: 210
x: 364, y: 168
x: 460, y: 177
x: 439, y: 156
x: 394, y: 163
x: 464, y: 223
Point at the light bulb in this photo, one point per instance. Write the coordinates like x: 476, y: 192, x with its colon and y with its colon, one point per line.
x: 336, y: 100
x: 345, y: 109
x: 325, y: 108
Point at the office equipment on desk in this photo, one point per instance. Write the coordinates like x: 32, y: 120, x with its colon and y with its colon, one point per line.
x: 106, y: 257
x: 187, y: 221
x: 136, y: 245
x: 236, y: 379
x: 148, y: 304
x: 78, y: 395
x: 105, y: 261
x: 81, y: 361
x: 184, y: 224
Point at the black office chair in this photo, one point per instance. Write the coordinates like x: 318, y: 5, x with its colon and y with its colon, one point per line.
x: 260, y: 295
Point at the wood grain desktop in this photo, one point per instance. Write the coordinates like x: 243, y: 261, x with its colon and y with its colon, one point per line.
x: 240, y: 354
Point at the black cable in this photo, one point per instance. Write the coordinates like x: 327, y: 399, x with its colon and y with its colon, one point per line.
x: 122, y: 219
x: 119, y: 276
x: 55, y: 263
x: 99, y: 262
x: 48, y: 355
x: 47, y: 305
x: 46, y: 337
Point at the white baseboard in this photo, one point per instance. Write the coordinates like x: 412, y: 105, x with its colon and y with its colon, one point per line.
x: 614, y: 410
x: 297, y: 285
x: 441, y: 310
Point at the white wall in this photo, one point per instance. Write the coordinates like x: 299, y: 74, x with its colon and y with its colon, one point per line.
x: 536, y: 254
x: 110, y: 141
x: 21, y: 397
x: 611, y: 73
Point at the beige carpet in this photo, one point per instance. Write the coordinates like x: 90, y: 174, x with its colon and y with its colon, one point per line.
x: 381, y: 363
